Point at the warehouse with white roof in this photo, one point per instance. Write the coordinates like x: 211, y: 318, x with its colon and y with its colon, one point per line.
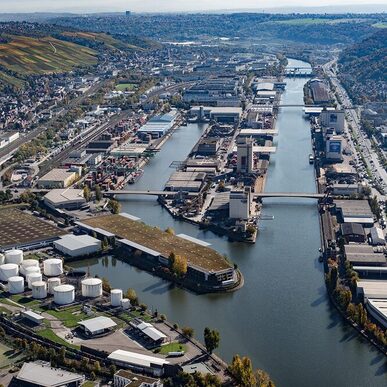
x: 97, y: 326
x: 77, y: 245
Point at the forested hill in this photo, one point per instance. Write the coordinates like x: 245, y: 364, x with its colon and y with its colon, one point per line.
x: 304, y: 28
x: 363, y: 68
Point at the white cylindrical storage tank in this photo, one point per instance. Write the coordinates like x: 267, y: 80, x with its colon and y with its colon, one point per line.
x: 16, y: 285
x: 14, y: 256
x: 64, y: 294
x: 28, y: 263
x: 39, y: 289
x: 125, y: 303
x: 2, y: 259
x: 52, y: 283
x: 33, y: 277
x: 92, y: 287
x: 8, y: 270
x: 30, y: 270
x: 53, y: 267
x: 116, y: 297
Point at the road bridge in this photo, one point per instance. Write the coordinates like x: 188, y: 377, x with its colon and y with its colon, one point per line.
x: 305, y: 195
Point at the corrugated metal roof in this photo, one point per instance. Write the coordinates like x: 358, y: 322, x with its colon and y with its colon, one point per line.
x: 98, y: 323
x: 136, y: 358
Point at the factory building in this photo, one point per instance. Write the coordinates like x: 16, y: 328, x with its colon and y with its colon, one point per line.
x: 245, y: 154
x: 230, y: 115
x: 377, y: 236
x: 57, y: 178
x: 355, y: 211
x: 208, y: 146
x: 158, y: 126
x: 77, y: 245
x: 240, y: 204
x: 352, y: 232
x: 319, y: 91
x: 67, y: 199
x: 149, y: 332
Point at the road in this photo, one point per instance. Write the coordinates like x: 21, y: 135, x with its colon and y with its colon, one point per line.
x: 364, y: 150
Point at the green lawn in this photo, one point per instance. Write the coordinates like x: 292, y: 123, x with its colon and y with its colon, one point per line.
x: 69, y: 316
x: 49, y: 334
x: 25, y: 301
x: 125, y: 87
x: 9, y: 355
x: 172, y: 347
x: 88, y: 384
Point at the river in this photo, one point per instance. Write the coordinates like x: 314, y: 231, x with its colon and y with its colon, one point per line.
x: 281, y: 318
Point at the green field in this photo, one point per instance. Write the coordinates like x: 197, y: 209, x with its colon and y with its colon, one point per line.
x: 125, y: 87
x: 69, y: 316
x: 172, y: 347
x: 49, y: 334
x: 9, y: 355
x: 26, y: 55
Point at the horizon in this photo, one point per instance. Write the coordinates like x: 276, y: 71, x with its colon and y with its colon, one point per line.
x: 174, y: 6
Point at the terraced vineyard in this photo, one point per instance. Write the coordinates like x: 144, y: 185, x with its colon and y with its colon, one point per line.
x: 27, y: 55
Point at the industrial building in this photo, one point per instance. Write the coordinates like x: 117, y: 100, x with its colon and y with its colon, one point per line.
x: 334, y: 148
x: 364, y: 255
x: 77, y: 245
x: 319, y: 91
x: 377, y: 308
x: 352, y: 232
x: 97, y: 326
x: 208, y: 146
x: 241, y: 202
x: 67, y: 199
x: 355, y: 211
x: 333, y: 119
x: 57, y: 178
x: 185, y: 181
x: 7, y: 137
x: 157, y: 126
x: 41, y: 374
x: 229, y: 115
x: 131, y: 150
x: 245, y: 155
x: 377, y: 236
x: 139, y: 362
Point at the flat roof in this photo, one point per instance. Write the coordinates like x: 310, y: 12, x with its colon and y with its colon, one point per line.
x: 57, y: 196
x: 97, y: 324
x: 373, y: 288
x: 258, y: 132
x: 194, y: 240
x: 74, y: 242
x: 197, y: 367
x: 160, y: 242
x: 42, y: 374
x: 354, y: 208
x: 57, y: 174
x: 19, y: 228
x: 136, y: 358
x: 364, y: 253
x: 32, y: 315
x: 137, y: 246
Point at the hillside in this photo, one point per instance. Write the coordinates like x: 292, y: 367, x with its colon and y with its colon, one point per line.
x: 363, y: 68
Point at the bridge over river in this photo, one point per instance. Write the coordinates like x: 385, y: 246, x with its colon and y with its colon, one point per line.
x: 262, y: 195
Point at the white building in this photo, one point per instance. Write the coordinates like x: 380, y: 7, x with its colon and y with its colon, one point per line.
x: 245, y: 155
x: 57, y: 178
x: 334, y: 148
x: 69, y: 199
x: 377, y: 236
x: 240, y: 204
x: 333, y: 119
x: 77, y: 245
x: 98, y: 325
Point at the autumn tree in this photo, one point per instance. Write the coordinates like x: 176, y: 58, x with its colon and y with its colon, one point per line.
x: 211, y: 339
x: 242, y: 372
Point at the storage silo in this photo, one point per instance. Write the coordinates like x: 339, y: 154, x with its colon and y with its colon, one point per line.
x: 16, y: 285
x: 33, y: 277
x: 92, y: 287
x: 2, y: 259
x: 53, y: 267
x: 64, y: 294
x: 28, y: 263
x: 30, y: 270
x: 116, y: 297
x: 39, y: 289
x: 8, y: 270
x: 52, y: 283
x: 14, y: 256
x: 125, y: 303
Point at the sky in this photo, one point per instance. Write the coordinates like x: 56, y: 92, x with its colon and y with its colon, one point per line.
x: 163, y: 5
